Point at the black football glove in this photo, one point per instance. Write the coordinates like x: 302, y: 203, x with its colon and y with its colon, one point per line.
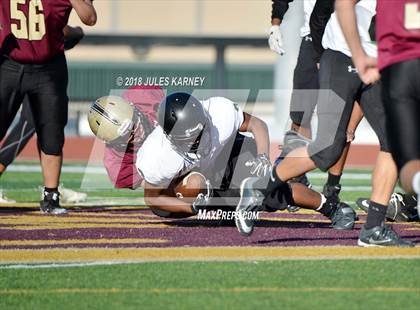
x: 259, y: 166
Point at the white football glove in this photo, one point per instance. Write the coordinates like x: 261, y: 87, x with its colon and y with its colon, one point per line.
x: 202, y: 200
x: 260, y: 166
x: 275, y: 40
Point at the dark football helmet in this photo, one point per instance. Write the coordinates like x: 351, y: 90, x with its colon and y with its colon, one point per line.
x: 186, y: 124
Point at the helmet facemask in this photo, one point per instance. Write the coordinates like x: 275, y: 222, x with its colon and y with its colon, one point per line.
x: 134, y: 131
x: 195, y: 145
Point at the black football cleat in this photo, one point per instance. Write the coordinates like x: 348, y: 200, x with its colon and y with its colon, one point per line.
x: 363, y: 204
x: 51, y: 204
x: 401, y: 208
x: 381, y: 236
x: 343, y: 217
x: 250, y: 203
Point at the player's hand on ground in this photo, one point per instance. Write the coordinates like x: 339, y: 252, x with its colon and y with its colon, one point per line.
x: 367, y: 69
x: 200, y: 202
x: 275, y: 40
x: 259, y: 166
x: 202, y: 199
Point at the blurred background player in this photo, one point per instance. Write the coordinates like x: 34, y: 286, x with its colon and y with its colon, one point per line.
x: 305, y: 85
x: 399, y: 64
x: 334, y: 113
x: 33, y: 64
x: 24, y: 129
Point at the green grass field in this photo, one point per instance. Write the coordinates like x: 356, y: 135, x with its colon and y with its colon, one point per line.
x: 329, y: 284
x: 282, y: 284
x: 25, y: 186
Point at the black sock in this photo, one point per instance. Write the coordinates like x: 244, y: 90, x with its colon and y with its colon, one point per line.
x: 48, y: 190
x: 333, y: 180
x: 327, y: 209
x: 376, y: 215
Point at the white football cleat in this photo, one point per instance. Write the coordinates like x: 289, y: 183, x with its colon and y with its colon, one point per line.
x: 70, y: 196
x: 4, y: 199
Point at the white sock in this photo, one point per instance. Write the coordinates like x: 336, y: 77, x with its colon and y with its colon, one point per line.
x: 416, y: 183
x: 416, y: 187
x: 323, y: 200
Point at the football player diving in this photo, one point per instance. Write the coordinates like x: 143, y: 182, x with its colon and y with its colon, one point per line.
x: 198, y: 143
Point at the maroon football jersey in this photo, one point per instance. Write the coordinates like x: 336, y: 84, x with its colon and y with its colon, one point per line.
x: 37, y: 28
x: 4, y: 26
x: 397, y: 31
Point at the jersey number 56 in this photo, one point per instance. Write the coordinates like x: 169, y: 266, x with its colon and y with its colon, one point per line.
x: 31, y: 27
x: 412, y: 16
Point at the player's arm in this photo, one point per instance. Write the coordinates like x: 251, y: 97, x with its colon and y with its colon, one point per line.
x: 366, y: 66
x: 319, y: 18
x: 275, y: 39
x: 156, y: 198
x: 279, y: 9
x: 259, y: 130
x: 261, y: 165
x: 85, y: 10
x: 121, y: 169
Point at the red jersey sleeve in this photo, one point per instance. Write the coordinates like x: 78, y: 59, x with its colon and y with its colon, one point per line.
x: 121, y: 168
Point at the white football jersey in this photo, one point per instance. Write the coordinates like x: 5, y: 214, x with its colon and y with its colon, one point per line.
x: 159, y: 163
x: 308, y: 7
x: 334, y: 39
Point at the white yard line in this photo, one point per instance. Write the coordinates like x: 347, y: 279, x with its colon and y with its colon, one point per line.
x: 101, y: 170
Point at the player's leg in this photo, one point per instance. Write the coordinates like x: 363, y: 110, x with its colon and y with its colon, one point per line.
x: 334, y: 111
x: 303, y: 102
x: 305, y: 84
x: 401, y: 94
x: 49, y: 105
x: 11, y: 94
x: 16, y: 140
x: 335, y: 104
x: 10, y: 100
x: 333, y: 187
x: 384, y: 177
x: 18, y: 137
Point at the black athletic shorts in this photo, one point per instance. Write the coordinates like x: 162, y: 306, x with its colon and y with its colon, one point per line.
x: 45, y: 85
x: 340, y: 87
x: 305, y: 84
x: 230, y: 170
x: 401, y: 95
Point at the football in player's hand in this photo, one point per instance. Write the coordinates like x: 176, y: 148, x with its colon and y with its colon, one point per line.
x: 191, y: 186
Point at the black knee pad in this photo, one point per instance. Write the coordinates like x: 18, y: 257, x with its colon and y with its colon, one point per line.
x: 51, y: 139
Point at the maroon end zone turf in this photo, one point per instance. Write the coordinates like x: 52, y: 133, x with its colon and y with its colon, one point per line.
x: 19, y: 228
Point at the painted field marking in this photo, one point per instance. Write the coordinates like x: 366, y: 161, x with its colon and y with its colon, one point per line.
x: 71, y: 255
x: 39, y: 242
x: 31, y: 219
x: 81, y: 226
x: 234, y: 290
